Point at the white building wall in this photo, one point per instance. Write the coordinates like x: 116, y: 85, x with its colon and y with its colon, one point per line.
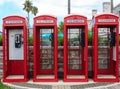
x: 107, y: 7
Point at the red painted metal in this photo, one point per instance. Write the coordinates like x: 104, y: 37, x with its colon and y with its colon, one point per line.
x: 14, y: 67
x: 45, y: 22
x: 103, y: 21
x: 79, y: 22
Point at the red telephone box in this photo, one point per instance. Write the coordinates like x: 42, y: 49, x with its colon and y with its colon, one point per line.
x: 75, y: 48
x: 105, y: 48
x: 45, y: 49
x: 15, y: 55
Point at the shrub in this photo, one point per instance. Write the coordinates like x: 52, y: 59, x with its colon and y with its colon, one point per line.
x: 30, y: 40
x: 0, y: 40
x: 60, y: 41
x: 89, y: 37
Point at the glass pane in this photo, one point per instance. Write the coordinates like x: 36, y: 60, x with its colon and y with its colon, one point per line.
x: 74, y: 49
x: 103, y: 48
x: 46, y: 48
x: 74, y: 37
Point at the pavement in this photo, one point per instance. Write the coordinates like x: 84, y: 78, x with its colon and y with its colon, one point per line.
x: 65, y: 85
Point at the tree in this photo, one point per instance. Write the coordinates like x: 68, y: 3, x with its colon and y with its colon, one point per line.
x: 34, y: 10
x: 28, y: 7
x: 60, y: 27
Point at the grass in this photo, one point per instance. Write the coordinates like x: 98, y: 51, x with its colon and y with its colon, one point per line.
x: 2, y: 86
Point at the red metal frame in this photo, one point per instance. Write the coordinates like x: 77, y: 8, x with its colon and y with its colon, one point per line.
x: 76, y: 21
x: 44, y: 21
x: 14, y: 67
x: 113, y: 64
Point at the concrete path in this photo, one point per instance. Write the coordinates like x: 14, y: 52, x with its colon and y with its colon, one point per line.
x: 61, y: 85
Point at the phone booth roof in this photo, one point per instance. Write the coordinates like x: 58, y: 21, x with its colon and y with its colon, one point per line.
x: 45, y: 20
x: 105, y: 19
x: 14, y: 20
x: 73, y: 20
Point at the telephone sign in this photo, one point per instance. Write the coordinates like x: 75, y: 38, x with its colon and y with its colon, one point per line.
x: 13, y: 21
x: 75, y: 21
x: 106, y: 20
x: 44, y: 21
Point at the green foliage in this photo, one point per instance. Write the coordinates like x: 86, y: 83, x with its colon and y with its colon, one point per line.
x: 60, y: 30
x: 34, y: 10
x: 31, y: 40
x: 2, y: 86
x: 60, y: 41
x: 0, y: 40
x: 27, y: 6
x: 119, y: 39
x: 89, y: 37
x: 60, y: 27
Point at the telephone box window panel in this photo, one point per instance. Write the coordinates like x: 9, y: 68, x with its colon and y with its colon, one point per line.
x: 16, y: 45
x: 46, y: 37
x: 103, y: 40
x: 74, y: 56
x: 46, y: 56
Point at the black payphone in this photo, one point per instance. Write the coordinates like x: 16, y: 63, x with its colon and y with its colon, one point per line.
x: 18, y: 40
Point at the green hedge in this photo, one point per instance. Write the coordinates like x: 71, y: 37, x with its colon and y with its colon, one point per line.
x: 60, y: 39
x: 0, y: 40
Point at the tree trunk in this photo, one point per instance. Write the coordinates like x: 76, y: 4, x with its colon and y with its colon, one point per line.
x: 28, y: 23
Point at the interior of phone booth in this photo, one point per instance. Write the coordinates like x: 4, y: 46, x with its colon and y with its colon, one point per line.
x: 106, y: 59
x: 46, y: 53
x: 75, y: 50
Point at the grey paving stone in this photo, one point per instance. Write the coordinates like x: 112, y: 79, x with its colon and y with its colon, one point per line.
x: 33, y: 85
x: 90, y: 85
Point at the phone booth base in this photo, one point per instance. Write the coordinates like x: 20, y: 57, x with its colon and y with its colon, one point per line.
x: 75, y: 49
x: 105, y: 48
x: 15, y: 49
x: 45, y: 49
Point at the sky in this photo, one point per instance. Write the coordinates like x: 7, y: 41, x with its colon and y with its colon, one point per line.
x: 56, y: 8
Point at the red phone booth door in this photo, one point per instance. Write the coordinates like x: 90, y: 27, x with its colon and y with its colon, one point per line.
x: 106, y: 52
x: 75, y: 54
x: 45, y: 55
x: 15, y: 61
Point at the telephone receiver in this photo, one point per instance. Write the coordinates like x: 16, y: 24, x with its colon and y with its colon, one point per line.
x: 18, y: 40
x: 52, y: 39
x: 82, y: 41
x: 112, y: 39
